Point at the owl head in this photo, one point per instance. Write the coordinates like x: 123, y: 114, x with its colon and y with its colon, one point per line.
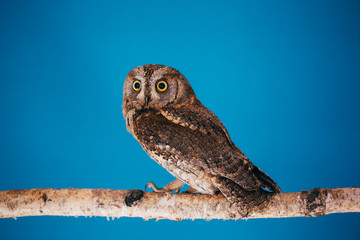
x: 155, y: 86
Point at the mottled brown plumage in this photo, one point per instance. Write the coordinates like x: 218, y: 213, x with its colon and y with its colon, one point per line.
x: 187, y: 139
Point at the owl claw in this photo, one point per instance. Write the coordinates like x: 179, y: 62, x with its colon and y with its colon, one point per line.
x: 152, y: 185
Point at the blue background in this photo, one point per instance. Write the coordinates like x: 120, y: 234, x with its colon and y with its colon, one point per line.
x: 283, y: 76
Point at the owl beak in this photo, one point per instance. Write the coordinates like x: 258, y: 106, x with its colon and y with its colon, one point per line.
x: 147, y: 100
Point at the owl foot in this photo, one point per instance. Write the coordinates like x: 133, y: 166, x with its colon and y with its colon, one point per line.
x: 156, y: 189
x: 174, y: 185
x: 169, y: 188
x: 190, y: 190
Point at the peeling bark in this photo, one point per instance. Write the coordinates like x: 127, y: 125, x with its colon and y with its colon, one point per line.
x: 147, y: 205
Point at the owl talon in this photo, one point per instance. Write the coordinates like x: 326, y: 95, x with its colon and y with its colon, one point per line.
x: 152, y: 185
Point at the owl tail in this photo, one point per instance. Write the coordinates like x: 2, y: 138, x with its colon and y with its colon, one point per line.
x: 245, y: 201
x: 265, y: 180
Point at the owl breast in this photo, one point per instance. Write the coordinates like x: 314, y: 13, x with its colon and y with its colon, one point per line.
x: 164, y: 142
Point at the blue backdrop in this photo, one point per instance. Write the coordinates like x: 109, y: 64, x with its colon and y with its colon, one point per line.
x: 283, y: 76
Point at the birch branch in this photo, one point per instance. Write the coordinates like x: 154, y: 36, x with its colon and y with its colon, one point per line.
x: 137, y: 203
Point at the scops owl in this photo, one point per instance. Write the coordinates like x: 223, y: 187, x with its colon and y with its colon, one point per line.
x: 188, y: 140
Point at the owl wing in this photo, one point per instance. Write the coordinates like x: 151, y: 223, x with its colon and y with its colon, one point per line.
x: 206, y: 143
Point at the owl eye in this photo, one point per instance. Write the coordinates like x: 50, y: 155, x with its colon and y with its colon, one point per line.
x: 137, y: 85
x: 161, y: 86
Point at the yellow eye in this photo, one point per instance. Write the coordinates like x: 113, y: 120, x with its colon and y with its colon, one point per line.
x: 161, y: 86
x: 137, y: 85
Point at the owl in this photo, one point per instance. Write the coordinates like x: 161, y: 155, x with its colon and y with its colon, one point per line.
x: 164, y: 115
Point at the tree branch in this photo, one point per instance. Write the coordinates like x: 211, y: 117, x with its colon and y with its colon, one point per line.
x: 137, y: 203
